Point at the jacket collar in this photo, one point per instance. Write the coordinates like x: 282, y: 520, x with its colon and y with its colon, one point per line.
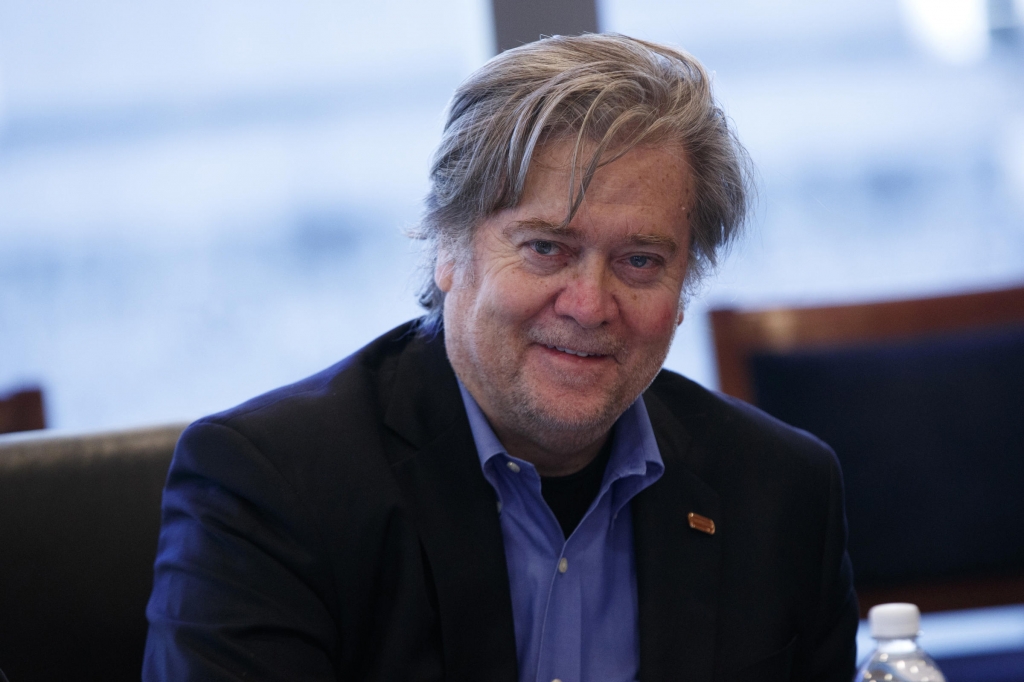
x: 677, y: 566
x: 456, y: 513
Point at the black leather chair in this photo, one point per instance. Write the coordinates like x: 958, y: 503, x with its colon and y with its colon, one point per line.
x: 79, y: 521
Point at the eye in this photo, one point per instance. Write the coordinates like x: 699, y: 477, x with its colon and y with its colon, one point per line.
x: 641, y: 261
x: 544, y: 248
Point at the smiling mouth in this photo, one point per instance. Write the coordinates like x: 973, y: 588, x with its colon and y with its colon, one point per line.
x: 579, y: 353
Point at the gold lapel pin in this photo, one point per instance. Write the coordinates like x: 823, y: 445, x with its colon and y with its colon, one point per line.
x: 701, y: 523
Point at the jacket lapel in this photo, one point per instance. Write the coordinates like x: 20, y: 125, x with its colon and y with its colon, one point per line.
x: 455, y: 510
x: 677, y: 566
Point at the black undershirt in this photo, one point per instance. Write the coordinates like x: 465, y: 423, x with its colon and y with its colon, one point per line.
x: 570, y: 496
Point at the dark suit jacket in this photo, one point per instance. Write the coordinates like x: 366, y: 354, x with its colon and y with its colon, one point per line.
x: 341, y: 528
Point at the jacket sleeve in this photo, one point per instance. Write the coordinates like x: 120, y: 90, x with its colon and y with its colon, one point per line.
x: 238, y: 591
x: 829, y: 649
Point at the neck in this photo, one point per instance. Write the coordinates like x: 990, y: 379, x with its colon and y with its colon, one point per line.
x: 555, y: 459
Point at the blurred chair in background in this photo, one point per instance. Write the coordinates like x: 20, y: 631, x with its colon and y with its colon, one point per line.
x: 923, y: 402
x: 22, y: 411
x: 79, y: 522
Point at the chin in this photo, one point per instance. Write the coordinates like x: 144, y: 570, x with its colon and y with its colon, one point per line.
x: 566, y: 418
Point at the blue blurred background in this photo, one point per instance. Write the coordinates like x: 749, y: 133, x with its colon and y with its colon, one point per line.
x: 201, y: 201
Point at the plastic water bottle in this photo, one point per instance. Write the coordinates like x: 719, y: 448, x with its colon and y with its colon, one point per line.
x: 897, y: 657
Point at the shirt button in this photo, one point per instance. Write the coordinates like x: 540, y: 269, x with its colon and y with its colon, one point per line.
x: 499, y: 506
x: 556, y: 680
x: 563, y: 565
x: 513, y: 467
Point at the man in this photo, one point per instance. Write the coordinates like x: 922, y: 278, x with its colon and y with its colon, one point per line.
x: 508, y: 488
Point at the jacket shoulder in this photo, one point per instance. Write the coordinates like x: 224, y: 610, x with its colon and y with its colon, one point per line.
x: 282, y: 514
x: 352, y: 392
x: 738, y: 433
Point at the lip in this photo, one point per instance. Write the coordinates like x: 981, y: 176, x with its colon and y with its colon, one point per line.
x: 573, y: 351
x: 565, y: 355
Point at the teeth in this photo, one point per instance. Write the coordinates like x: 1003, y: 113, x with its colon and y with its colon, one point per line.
x: 572, y: 352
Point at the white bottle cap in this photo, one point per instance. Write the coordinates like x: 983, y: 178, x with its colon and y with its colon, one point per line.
x: 890, y: 621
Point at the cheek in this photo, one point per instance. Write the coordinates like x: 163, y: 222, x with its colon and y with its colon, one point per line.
x: 515, y: 295
x: 654, y: 319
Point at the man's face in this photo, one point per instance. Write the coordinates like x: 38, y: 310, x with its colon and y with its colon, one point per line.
x: 556, y: 331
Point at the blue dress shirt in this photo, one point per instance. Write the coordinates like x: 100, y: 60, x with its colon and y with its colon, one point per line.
x: 574, y: 601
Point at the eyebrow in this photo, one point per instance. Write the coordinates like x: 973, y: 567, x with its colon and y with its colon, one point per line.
x: 539, y: 225
x: 564, y: 231
x: 642, y: 239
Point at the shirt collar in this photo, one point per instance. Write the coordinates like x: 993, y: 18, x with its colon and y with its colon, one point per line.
x: 634, y: 448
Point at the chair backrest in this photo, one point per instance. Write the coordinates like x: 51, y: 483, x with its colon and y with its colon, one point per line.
x: 923, y: 402
x: 22, y: 411
x: 79, y: 522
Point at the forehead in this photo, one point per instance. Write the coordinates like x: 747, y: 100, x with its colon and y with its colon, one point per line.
x: 653, y: 183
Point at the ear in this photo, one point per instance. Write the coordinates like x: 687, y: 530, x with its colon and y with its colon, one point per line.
x: 444, y: 271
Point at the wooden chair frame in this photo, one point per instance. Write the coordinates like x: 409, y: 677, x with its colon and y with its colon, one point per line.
x: 739, y: 334
x: 22, y: 411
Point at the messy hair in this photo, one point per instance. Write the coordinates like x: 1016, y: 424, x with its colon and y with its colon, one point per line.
x: 605, y: 93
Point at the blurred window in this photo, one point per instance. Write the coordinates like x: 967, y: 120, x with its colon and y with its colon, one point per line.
x: 201, y: 201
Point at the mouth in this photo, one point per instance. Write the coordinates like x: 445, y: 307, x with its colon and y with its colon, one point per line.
x: 578, y: 353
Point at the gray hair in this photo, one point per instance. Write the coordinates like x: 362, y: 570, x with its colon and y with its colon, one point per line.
x: 609, y: 91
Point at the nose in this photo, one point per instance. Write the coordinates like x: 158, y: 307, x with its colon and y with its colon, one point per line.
x: 587, y: 296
